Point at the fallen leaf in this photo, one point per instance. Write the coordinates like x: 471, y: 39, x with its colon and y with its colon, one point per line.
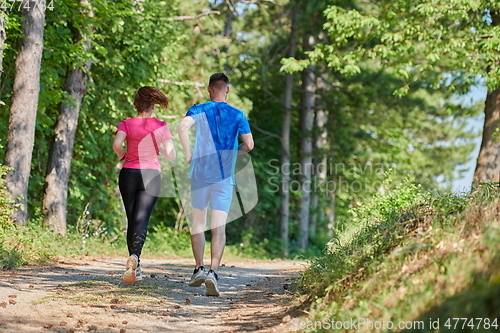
x: 47, y: 326
x: 11, y: 301
x: 188, y: 301
x: 112, y: 325
x: 12, y: 296
x: 63, y: 323
x: 177, y: 306
x: 124, y: 322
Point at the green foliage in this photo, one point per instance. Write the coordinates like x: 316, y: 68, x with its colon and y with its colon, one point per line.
x: 164, y: 241
x: 415, y: 38
x: 369, y: 130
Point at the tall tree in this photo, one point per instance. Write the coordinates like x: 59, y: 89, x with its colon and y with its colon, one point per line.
x: 319, y: 159
x: 306, y: 145
x: 488, y: 161
x: 418, y: 40
x: 285, y: 138
x: 58, y: 171
x: 2, y: 40
x: 23, y: 109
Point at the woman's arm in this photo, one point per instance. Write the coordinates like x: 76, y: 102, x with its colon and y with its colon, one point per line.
x: 183, y: 132
x: 118, y: 143
x: 167, y: 149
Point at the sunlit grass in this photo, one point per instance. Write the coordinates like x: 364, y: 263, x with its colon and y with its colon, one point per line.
x: 431, y: 261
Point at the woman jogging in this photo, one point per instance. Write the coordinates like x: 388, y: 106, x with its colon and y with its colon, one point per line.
x: 139, y: 181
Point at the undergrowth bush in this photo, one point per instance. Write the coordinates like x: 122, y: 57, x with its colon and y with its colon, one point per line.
x: 412, y: 256
x: 6, y: 203
x: 373, y: 229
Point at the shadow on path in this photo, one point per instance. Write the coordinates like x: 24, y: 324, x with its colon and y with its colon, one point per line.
x: 86, y: 294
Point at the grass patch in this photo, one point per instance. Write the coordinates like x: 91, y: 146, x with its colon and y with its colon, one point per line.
x: 34, y: 244
x: 411, y: 258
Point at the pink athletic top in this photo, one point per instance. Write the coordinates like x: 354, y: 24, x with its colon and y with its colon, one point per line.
x: 141, y: 150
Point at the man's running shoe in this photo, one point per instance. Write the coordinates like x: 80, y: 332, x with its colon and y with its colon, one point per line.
x: 138, y: 273
x: 130, y: 275
x: 198, y: 277
x: 211, y: 284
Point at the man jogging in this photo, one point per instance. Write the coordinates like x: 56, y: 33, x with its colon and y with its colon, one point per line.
x: 218, y: 126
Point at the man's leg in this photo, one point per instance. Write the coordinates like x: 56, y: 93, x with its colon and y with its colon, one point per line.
x: 198, y: 235
x: 218, y: 228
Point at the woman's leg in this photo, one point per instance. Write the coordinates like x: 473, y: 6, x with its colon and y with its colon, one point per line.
x: 145, y: 201
x: 127, y: 182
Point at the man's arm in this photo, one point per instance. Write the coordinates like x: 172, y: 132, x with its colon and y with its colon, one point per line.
x: 247, y: 144
x: 117, y: 144
x: 183, y: 132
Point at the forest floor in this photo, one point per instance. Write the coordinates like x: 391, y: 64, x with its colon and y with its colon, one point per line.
x: 85, y: 294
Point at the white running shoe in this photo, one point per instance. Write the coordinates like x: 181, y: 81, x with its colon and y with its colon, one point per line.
x: 138, y: 273
x: 211, y: 284
x: 130, y: 275
x: 198, y: 277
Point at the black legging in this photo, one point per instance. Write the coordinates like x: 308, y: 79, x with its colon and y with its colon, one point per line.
x: 140, y: 189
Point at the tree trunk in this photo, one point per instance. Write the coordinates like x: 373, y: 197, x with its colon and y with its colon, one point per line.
x: 22, y: 120
x: 306, y: 146
x: 320, y: 172
x: 2, y: 42
x: 59, y: 167
x: 285, y: 141
x: 330, y: 215
x: 488, y: 161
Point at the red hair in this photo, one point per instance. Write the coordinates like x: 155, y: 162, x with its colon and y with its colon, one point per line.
x: 147, y: 96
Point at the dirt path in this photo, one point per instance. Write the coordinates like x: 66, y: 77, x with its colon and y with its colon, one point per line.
x: 86, y: 295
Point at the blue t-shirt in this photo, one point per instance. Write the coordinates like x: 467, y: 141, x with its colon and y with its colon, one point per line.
x: 218, y: 126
